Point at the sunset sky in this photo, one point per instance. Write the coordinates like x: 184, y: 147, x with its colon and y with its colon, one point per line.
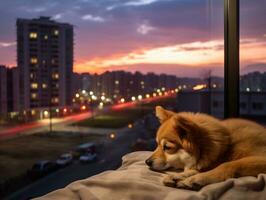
x: 181, y: 37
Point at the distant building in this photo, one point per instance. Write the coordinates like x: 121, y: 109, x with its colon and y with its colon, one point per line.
x: 3, y: 90
x: 9, y: 94
x: 252, y: 104
x: 253, y: 82
x: 45, y: 62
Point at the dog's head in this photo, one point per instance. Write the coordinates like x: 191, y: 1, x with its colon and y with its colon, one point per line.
x: 175, y: 142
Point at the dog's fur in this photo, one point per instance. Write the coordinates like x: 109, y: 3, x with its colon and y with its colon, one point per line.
x: 208, y: 150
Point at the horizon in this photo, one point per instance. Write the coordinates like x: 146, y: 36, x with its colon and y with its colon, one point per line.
x: 144, y: 35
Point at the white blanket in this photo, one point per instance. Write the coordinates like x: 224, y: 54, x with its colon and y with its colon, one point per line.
x: 133, y: 180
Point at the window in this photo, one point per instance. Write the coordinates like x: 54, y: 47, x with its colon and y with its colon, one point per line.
x: 253, y: 59
x: 34, y: 95
x: 44, y: 85
x: 34, y: 60
x: 33, y: 35
x: 55, y: 76
x: 56, y: 32
x: 34, y: 85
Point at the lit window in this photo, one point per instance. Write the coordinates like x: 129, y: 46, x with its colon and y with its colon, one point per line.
x: 33, y: 60
x: 33, y: 112
x: 44, y: 85
x: 33, y: 35
x: 34, y: 85
x: 55, y: 76
x: 55, y: 100
x: 45, y: 37
x: 116, y: 82
x: 56, y: 32
x: 31, y: 75
x: 33, y: 95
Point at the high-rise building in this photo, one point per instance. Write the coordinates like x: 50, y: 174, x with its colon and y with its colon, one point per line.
x: 3, y: 90
x: 9, y: 94
x: 45, y: 62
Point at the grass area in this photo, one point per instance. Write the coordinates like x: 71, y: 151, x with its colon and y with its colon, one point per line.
x: 17, y: 155
x: 121, y: 118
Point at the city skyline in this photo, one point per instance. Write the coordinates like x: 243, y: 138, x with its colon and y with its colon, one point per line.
x: 143, y: 35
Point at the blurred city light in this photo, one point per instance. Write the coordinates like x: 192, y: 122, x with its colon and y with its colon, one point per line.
x: 199, y: 87
x: 139, y: 97
x: 112, y: 135
x: 133, y: 98
x: 45, y: 113
x: 130, y: 126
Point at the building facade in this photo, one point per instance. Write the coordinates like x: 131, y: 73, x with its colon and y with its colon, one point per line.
x: 45, y: 63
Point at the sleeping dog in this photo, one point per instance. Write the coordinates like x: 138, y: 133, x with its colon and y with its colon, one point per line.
x: 206, y: 149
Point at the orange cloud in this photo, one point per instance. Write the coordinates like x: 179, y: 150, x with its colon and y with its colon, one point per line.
x: 194, y: 54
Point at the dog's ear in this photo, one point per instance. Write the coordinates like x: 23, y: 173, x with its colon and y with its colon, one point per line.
x: 185, y: 128
x: 163, y: 114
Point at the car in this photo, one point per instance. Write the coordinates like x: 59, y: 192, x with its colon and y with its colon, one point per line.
x: 42, y: 168
x: 88, y: 157
x: 64, y: 160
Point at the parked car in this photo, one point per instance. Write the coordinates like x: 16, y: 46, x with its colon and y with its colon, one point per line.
x: 42, y: 168
x: 64, y: 160
x: 88, y: 157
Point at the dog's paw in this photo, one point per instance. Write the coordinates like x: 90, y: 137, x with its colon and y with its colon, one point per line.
x: 171, y: 180
x: 191, y: 183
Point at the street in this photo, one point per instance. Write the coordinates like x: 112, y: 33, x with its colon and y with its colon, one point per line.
x: 108, y: 158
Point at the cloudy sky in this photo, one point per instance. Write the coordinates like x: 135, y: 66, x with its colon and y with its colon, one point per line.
x: 182, y: 37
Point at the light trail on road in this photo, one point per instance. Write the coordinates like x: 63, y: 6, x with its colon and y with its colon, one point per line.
x: 22, y: 128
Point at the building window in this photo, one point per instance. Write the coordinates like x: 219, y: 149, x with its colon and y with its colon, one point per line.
x: 34, y: 85
x: 44, y: 85
x: 33, y: 95
x: 215, y: 104
x: 55, y: 100
x: 56, y: 32
x: 55, y: 76
x: 32, y: 75
x: 33, y: 60
x: 243, y: 105
x: 33, y: 35
x: 257, y: 106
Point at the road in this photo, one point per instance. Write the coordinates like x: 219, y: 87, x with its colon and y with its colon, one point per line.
x: 109, y: 158
x: 43, y: 125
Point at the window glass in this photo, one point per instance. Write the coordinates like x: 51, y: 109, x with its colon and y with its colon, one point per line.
x: 253, y: 59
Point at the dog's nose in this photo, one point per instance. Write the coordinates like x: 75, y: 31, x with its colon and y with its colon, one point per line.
x: 149, y: 162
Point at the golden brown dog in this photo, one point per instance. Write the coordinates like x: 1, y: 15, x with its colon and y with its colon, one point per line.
x: 208, y: 150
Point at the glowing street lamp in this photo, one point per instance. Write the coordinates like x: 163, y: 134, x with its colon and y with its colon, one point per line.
x: 83, y: 91
x: 83, y: 107
x: 139, y: 97
x: 112, y: 135
x: 77, y: 95
x: 154, y: 94
x: 130, y: 126
x: 65, y: 110
x: 102, y: 98
x: 45, y: 113
x: 133, y: 98
x: 147, y: 96
x: 122, y: 100
x: 91, y: 92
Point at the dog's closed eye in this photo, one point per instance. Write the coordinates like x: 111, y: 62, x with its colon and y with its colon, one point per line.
x: 165, y: 147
